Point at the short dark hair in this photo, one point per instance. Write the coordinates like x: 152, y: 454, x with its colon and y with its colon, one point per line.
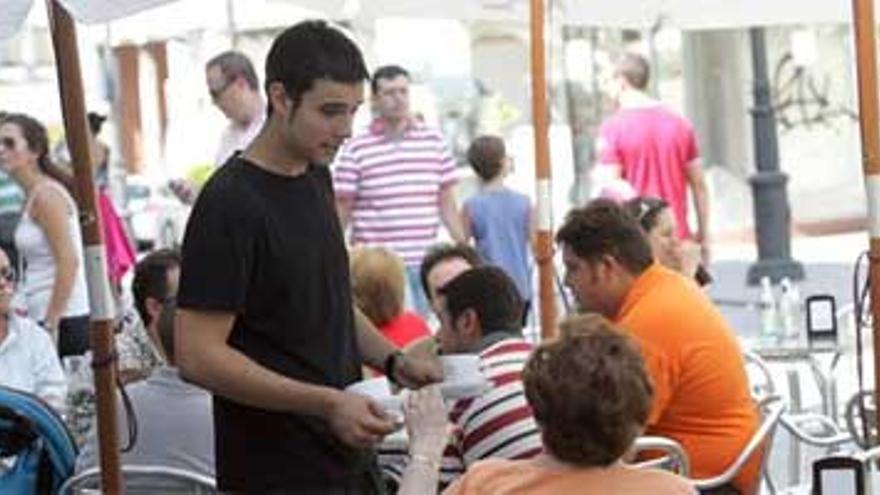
x: 309, y: 51
x: 646, y: 210
x: 439, y: 253
x: 634, y: 69
x: 151, y: 279
x: 387, y: 72
x: 486, y: 156
x: 589, y: 391
x: 233, y: 64
x: 602, y: 228
x: 491, y: 293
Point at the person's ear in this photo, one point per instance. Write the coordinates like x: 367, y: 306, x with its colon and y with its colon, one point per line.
x: 469, y: 323
x: 278, y: 98
x: 154, y: 307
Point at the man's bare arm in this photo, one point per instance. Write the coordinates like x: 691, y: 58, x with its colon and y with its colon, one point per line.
x: 697, y: 181
x: 205, y: 358
x: 412, y: 371
x: 343, y: 209
x: 449, y: 215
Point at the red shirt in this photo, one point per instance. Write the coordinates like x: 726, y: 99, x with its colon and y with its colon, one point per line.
x: 405, y: 328
x: 653, y: 147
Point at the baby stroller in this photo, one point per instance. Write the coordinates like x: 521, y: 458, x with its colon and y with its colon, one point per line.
x: 37, y: 452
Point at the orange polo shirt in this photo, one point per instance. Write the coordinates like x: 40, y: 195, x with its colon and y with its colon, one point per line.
x: 701, y: 392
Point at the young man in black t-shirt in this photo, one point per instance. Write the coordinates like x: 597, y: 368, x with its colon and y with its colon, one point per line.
x: 266, y: 319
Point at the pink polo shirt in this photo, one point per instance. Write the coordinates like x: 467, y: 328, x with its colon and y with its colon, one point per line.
x: 653, y: 147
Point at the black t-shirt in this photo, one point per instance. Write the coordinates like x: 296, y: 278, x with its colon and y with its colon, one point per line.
x: 269, y: 249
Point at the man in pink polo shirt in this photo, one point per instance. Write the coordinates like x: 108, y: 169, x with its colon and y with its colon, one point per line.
x: 653, y: 149
x: 394, y: 182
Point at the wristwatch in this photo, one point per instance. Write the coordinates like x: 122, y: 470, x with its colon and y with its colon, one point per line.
x: 390, y: 366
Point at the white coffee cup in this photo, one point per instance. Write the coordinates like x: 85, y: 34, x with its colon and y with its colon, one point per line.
x: 379, y: 389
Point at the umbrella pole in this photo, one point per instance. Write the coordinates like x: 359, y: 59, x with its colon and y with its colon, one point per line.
x: 544, y: 214
x: 70, y: 84
x: 866, y: 66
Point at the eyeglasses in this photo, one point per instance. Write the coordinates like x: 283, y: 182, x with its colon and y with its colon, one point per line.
x: 217, y: 92
x: 7, y: 273
x: 8, y: 143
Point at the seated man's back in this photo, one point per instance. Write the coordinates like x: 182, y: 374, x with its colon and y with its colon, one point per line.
x: 498, y: 423
x: 174, y: 425
x: 701, y: 390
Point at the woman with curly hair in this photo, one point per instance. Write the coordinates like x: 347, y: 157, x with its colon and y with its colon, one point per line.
x: 590, y: 395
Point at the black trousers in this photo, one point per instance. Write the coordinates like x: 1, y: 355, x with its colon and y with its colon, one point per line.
x: 73, y: 335
x: 726, y: 489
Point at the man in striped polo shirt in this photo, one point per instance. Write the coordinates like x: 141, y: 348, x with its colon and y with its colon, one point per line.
x: 481, y: 313
x: 394, y: 182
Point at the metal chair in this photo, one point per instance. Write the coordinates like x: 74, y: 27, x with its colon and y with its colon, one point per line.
x: 854, y: 420
x: 772, y: 409
x: 143, y: 480
x: 674, y: 457
x: 813, y: 429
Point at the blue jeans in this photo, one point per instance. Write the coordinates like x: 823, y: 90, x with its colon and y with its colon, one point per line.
x: 416, y: 299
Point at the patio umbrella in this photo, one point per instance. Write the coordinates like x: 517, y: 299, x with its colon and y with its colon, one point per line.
x: 866, y: 65
x: 64, y: 41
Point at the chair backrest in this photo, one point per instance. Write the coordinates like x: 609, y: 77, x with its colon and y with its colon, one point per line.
x: 856, y: 424
x: 673, y: 458
x: 771, y: 408
x: 141, y: 479
x: 35, y: 436
x: 761, y: 383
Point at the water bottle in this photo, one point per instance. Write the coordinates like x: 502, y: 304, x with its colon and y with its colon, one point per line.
x: 769, y: 313
x: 787, y: 323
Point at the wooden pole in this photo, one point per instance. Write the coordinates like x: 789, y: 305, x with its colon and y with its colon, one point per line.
x: 70, y: 84
x: 866, y: 66
x: 544, y: 248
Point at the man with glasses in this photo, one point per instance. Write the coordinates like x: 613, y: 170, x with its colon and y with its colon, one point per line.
x: 235, y: 90
x: 28, y: 357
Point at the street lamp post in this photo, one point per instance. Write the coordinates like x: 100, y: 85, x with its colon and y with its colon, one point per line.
x: 772, y: 211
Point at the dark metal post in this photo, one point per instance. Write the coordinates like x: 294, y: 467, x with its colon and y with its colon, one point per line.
x: 772, y: 211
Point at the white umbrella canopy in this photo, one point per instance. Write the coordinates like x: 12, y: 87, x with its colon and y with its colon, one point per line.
x: 146, y: 20
x: 634, y: 14
x: 14, y: 12
x: 164, y: 18
x: 12, y: 17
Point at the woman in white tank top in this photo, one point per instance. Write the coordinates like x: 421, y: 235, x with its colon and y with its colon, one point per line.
x: 48, y: 237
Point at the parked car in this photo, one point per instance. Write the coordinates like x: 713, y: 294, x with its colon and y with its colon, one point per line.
x: 156, y: 218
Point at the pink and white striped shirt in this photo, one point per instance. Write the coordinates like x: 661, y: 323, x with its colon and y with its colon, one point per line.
x: 395, y: 184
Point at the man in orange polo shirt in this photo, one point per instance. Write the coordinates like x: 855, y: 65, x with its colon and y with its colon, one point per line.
x: 701, y: 393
